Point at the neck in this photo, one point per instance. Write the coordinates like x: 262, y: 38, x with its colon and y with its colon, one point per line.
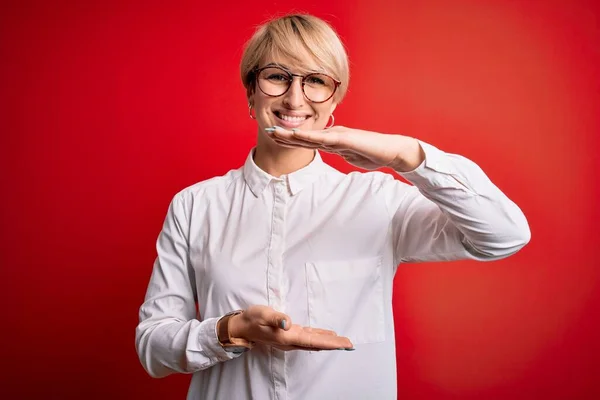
x: 276, y: 160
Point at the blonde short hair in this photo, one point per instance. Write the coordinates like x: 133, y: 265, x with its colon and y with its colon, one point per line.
x: 294, y: 36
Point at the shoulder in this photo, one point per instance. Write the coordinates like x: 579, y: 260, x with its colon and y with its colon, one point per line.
x: 207, y: 189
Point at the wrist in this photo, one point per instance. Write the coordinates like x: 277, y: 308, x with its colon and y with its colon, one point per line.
x: 409, y: 157
x: 235, y: 327
x: 225, y: 337
x: 225, y: 331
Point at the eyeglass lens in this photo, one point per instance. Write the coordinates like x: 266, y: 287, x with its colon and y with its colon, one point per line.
x: 275, y: 81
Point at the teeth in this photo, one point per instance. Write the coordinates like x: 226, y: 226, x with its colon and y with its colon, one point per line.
x: 291, y: 119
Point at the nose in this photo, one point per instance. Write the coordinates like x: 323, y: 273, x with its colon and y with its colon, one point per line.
x: 294, y: 97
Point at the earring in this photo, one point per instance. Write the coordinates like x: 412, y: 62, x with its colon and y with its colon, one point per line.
x: 250, y: 111
x: 332, y: 122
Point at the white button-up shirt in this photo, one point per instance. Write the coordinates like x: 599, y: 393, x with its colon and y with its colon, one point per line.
x: 321, y: 246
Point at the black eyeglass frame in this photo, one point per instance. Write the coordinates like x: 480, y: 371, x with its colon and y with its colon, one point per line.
x: 257, y: 72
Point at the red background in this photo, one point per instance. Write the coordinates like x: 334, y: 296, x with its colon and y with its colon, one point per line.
x: 107, y: 109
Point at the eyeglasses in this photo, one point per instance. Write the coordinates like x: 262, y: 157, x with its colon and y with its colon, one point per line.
x: 276, y: 81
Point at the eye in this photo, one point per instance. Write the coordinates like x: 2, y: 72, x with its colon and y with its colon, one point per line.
x: 315, y: 80
x: 277, y: 77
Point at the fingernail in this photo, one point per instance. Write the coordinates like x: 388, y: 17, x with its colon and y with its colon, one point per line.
x: 294, y: 130
x: 283, y: 324
x: 277, y: 127
x: 269, y: 129
x: 352, y: 349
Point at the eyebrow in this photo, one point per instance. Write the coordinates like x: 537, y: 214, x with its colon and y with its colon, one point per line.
x: 276, y: 65
x: 316, y: 71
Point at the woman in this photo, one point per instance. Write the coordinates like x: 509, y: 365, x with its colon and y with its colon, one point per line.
x: 288, y: 258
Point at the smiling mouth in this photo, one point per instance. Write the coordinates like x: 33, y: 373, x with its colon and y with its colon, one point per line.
x: 291, y: 118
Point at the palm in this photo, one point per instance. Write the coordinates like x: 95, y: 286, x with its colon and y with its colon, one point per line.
x: 262, y: 325
x: 367, y: 150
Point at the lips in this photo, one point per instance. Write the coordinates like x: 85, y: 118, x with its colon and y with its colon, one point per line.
x: 290, y: 120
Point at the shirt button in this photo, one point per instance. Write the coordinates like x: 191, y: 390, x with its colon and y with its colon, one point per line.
x: 279, y: 189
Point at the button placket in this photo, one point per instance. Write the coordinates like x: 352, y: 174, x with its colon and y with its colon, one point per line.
x: 275, y: 278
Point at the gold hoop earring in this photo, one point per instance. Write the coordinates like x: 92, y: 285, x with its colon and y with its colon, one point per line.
x: 332, y: 122
x: 250, y: 111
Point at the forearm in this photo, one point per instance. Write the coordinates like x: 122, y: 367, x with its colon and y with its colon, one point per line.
x: 492, y: 226
x: 169, y: 337
x: 173, y: 346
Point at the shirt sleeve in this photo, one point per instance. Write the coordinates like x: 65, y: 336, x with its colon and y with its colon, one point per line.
x: 169, y: 337
x: 452, y: 212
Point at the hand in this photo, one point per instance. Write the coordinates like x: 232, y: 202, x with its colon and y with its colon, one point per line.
x: 364, y: 149
x: 263, y: 324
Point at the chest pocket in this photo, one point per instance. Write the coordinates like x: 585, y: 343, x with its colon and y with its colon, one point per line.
x: 347, y: 297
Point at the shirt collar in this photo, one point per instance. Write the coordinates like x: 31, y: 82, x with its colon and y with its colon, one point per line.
x: 258, y: 180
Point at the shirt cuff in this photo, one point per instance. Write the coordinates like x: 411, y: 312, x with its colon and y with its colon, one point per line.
x: 434, y: 171
x: 209, y: 341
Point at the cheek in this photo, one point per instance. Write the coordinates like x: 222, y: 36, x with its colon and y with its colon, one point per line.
x: 321, y: 116
x: 262, y: 105
x: 262, y: 108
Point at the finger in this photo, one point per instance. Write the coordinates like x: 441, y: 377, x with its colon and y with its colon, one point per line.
x: 287, y: 145
x: 331, y: 150
x: 277, y: 319
x: 290, y: 141
x: 280, y: 133
x: 289, y: 134
x: 312, y: 146
x: 345, y: 153
x: 321, y: 341
x: 296, y: 144
x: 319, y: 331
x: 290, y: 348
x: 283, y: 347
x: 326, y: 138
x: 289, y: 137
x: 287, y: 140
